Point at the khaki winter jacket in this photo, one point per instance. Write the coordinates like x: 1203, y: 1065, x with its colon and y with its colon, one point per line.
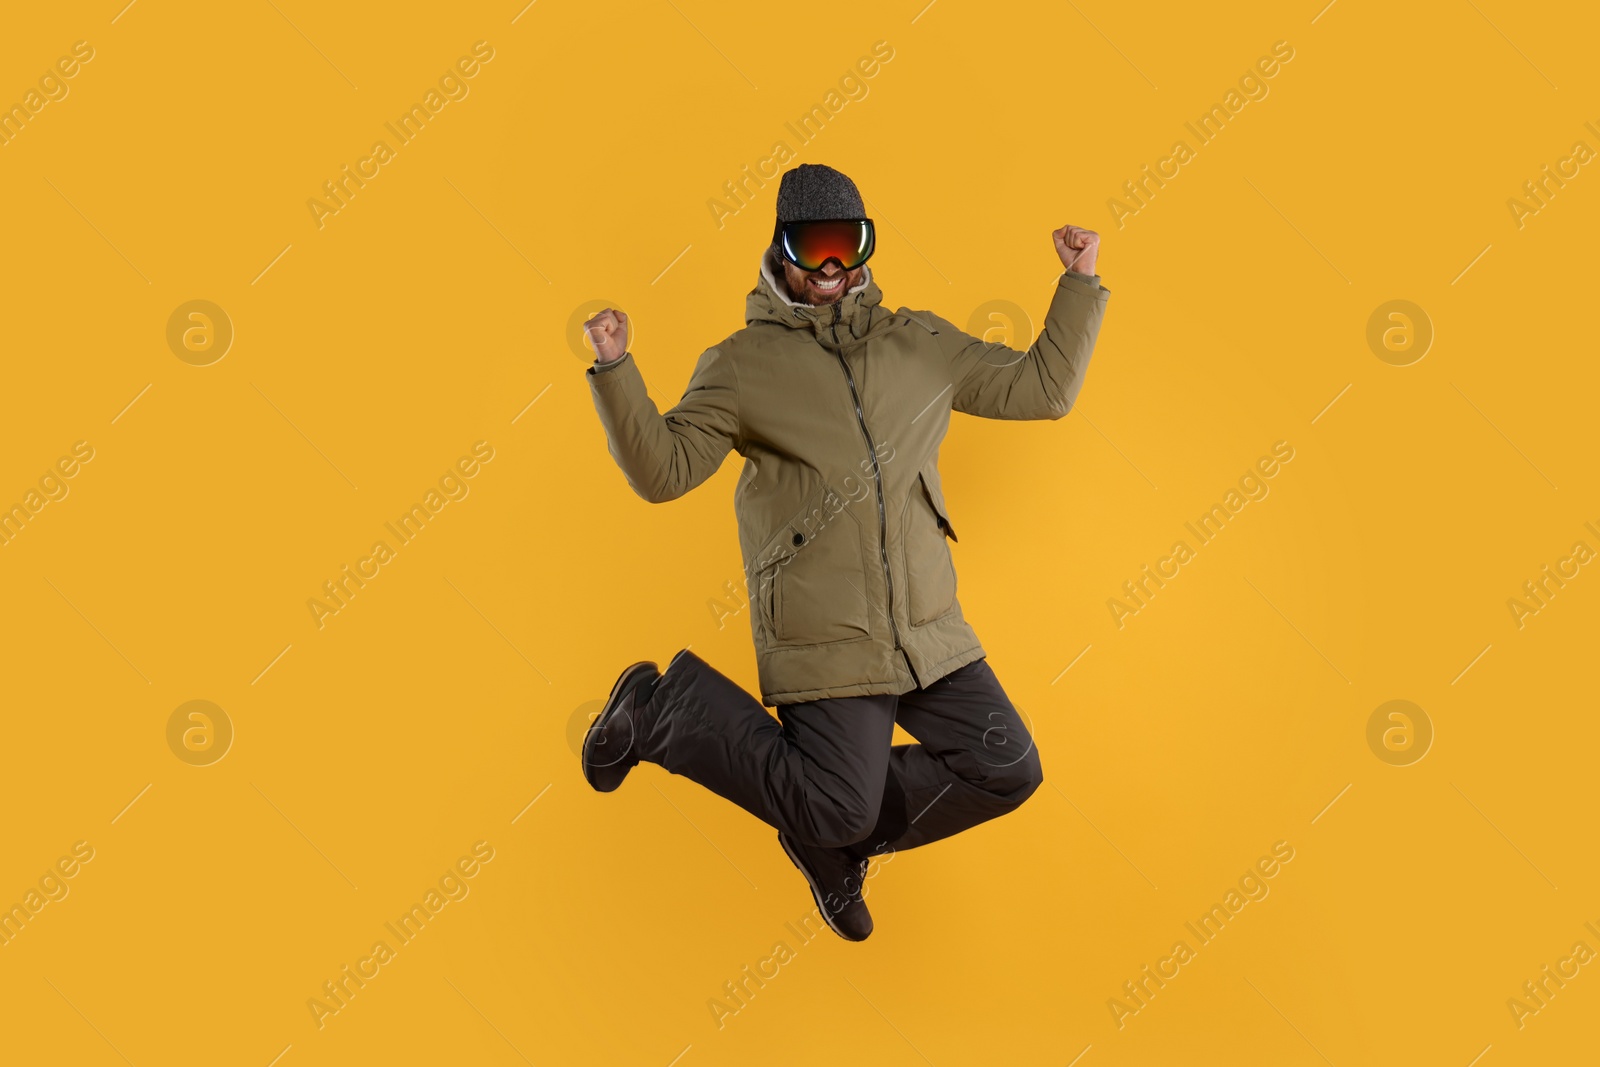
x: 838, y: 411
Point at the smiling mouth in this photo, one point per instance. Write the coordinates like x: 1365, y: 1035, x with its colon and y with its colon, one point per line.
x: 827, y: 286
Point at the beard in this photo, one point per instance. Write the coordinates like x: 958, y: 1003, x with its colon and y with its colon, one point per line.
x: 802, y: 284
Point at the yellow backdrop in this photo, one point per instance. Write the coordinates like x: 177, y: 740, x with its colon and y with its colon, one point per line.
x: 280, y: 274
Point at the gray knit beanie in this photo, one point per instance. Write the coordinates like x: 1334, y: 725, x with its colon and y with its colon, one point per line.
x: 813, y: 191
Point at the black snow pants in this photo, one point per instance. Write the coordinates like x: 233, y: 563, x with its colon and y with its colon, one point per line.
x: 825, y: 772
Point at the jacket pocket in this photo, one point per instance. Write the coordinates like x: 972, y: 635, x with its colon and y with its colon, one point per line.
x: 813, y: 575
x: 930, y: 572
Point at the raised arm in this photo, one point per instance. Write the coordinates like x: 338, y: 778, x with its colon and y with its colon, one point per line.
x: 663, y: 456
x: 994, y: 381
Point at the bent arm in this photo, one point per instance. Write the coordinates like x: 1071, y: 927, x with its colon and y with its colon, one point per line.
x: 663, y: 456
x: 993, y: 381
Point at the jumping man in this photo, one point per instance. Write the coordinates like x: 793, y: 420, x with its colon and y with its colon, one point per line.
x: 838, y: 406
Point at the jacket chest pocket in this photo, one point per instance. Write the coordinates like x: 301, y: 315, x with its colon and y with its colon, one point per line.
x: 930, y: 572
x: 812, y: 575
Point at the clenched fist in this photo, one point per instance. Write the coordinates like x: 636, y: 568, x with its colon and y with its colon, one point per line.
x: 1077, y: 248
x: 607, y: 334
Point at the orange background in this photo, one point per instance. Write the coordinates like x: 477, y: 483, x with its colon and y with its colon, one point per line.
x: 433, y: 711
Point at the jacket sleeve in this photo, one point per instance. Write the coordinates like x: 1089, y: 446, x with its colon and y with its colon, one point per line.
x: 663, y: 456
x: 993, y: 381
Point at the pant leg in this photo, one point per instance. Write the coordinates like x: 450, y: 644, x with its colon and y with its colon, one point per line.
x: 975, y: 760
x: 818, y: 776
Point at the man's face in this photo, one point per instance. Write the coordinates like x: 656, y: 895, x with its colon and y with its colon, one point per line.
x: 825, y: 286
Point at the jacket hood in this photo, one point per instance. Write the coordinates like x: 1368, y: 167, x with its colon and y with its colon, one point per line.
x: 859, y: 310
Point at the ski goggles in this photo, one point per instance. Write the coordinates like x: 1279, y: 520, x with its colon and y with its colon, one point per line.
x: 809, y: 244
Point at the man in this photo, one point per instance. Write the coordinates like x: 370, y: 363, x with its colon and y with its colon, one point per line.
x: 837, y: 406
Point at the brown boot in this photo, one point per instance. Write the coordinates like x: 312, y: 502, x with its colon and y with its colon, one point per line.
x: 611, y: 747
x: 835, y: 876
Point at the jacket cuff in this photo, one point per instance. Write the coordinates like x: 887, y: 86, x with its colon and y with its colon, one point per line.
x: 1087, y: 284
x: 597, y: 367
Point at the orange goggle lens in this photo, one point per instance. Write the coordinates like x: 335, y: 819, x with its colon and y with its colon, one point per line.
x: 808, y: 245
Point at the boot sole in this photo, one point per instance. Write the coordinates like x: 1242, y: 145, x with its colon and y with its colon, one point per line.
x: 624, y: 681
x: 816, y: 894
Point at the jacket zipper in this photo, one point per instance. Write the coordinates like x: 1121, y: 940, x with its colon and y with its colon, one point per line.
x: 877, y: 480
